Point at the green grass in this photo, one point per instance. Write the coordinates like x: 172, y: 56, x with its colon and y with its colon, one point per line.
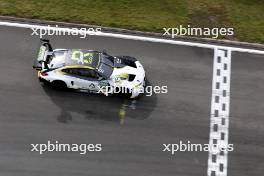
x: 245, y: 16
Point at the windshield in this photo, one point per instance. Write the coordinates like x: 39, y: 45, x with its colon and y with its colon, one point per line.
x: 106, y: 65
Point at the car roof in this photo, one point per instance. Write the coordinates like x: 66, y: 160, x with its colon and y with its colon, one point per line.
x: 74, y: 57
x: 82, y: 57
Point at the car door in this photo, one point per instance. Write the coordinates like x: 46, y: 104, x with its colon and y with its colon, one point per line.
x: 86, y: 78
x: 89, y: 79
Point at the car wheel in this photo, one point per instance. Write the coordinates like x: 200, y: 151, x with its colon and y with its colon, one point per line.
x: 59, y: 85
x: 123, y: 92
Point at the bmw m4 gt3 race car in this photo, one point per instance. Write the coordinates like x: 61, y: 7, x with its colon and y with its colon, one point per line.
x: 88, y: 70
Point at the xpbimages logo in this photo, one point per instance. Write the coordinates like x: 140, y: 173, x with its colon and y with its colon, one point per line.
x: 60, y: 147
x: 195, y: 31
x: 147, y: 90
x: 191, y: 147
x: 56, y: 30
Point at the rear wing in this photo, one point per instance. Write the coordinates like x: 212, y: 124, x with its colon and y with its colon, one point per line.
x: 45, y: 50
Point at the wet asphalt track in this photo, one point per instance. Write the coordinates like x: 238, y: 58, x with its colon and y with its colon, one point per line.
x: 132, y: 144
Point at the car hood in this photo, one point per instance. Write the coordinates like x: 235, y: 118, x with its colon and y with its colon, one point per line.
x: 120, y: 76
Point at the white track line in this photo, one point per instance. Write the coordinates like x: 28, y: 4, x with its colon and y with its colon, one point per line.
x: 219, y: 121
x: 132, y: 37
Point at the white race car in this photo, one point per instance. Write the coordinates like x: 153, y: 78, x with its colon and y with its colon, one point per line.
x: 89, y: 70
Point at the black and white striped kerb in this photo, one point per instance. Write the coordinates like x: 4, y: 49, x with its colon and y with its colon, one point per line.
x: 219, y: 121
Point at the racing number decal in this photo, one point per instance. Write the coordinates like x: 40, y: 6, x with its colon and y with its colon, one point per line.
x: 88, y: 58
x: 77, y: 56
x: 83, y: 58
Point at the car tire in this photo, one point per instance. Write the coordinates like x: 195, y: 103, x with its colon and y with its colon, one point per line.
x: 59, y: 85
x: 124, y: 95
